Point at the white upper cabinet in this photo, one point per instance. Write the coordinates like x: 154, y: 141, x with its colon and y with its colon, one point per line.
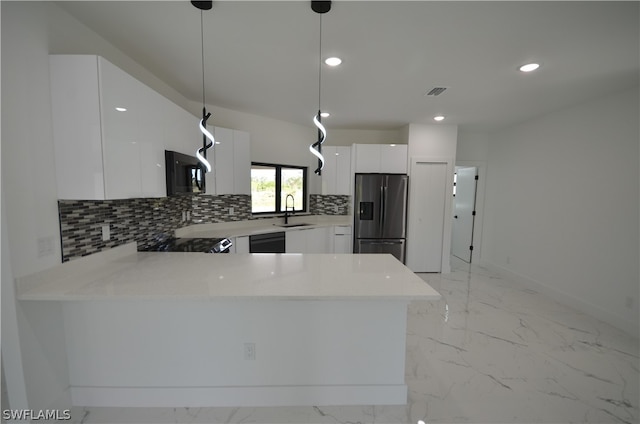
x: 393, y: 158
x: 132, y: 140
x: 77, y: 127
x: 232, y: 164
x: 110, y: 131
x: 336, y: 175
x: 380, y: 158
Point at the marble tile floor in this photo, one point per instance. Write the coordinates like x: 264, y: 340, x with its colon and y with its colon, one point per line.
x: 491, y: 351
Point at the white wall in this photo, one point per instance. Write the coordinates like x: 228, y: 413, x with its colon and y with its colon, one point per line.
x: 472, y: 146
x: 433, y: 140
x: 562, y: 206
x: 29, y: 204
x: 27, y: 146
x: 340, y: 137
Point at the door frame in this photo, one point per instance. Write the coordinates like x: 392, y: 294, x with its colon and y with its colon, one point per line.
x: 445, y: 265
x: 481, y: 167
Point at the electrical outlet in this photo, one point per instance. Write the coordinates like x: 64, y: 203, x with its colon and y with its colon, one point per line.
x: 188, y: 215
x: 250, y: 351
x: 184, y: 216
x: 106, y: 232
x: 45, y: 246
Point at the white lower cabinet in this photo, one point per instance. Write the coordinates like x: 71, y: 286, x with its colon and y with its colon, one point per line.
x: 311, y: 240
x: 342, y: 239
x: 318, y: 240
x: 296, y: 241
x: 240, y: 244
x: 330, y: 239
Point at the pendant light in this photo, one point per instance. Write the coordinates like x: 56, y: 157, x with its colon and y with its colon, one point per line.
x: 320, y: 7
x: 207, y: 138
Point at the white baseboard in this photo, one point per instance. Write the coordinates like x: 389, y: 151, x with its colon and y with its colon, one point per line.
x: 194, y: 397
x: 632, y: 328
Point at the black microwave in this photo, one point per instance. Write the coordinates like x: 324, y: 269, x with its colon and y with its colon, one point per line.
x: 185, y: 174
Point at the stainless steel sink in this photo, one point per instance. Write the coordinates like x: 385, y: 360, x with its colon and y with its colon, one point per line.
x: 293, y: 225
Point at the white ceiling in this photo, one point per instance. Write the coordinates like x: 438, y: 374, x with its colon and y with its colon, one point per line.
x: 262, y: 57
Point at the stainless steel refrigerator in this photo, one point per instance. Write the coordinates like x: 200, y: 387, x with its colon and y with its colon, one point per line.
x: 380, y: 218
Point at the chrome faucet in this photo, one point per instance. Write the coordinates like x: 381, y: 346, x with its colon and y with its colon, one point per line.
x: 286, y: 208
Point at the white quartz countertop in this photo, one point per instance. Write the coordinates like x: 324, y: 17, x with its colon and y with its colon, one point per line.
x: 261, y: 226
x: 127, y: 274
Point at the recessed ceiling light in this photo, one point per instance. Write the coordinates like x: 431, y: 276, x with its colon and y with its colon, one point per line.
x: 529, y: 67
x: 333, y: 61
x: 438, y: 118
x: 121, y: 109
x: 325, y: 114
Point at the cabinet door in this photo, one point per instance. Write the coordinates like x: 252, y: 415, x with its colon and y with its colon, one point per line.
x: 342, y: 239
x: 151, y: 130
x: 318, y: 240
x: 241, y: 162
x: 342, y: 243
x: 77, y: 137
x: 296, y: 241
x: 330, y: 170
x: 343, y: 170
x: 120, y: 131
x: 223, y: 152
x: 242, y: 244
x: 393, y: 158
x: 367, y: 158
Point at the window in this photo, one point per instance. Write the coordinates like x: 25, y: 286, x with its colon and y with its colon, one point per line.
x: 270, y: 185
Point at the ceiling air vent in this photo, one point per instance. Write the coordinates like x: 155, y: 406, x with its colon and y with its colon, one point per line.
x: 436, y: 91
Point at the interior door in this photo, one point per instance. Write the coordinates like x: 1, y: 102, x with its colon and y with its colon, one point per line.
x: 463, y: 213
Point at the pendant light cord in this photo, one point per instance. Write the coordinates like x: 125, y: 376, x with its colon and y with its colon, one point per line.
x: 320, y: 65
x: 208, y: 140
x: 202, y: 54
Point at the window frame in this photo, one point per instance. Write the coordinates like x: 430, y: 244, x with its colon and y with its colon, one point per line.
x: 278, y: 197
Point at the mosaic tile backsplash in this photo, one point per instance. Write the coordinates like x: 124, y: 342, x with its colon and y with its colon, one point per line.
x: 145, y: 220
x: 329, y: 204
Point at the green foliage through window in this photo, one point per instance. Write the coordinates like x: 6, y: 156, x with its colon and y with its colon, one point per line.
x: 269, y: 179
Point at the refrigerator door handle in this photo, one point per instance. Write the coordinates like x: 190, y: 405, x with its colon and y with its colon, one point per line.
x: 380, y: 242
x: 384, y: 205
x: 381, y: 216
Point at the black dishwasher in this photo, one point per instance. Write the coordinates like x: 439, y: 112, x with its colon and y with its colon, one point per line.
x: 267, y: 243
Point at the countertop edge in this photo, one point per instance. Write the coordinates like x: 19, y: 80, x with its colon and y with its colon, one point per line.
x: 260, y: 226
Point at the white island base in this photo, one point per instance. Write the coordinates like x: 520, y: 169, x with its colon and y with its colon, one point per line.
x: 200, y: 330
x: 197, y: 354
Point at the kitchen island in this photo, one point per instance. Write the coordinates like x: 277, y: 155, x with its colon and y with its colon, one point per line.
x: 192, y: 329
